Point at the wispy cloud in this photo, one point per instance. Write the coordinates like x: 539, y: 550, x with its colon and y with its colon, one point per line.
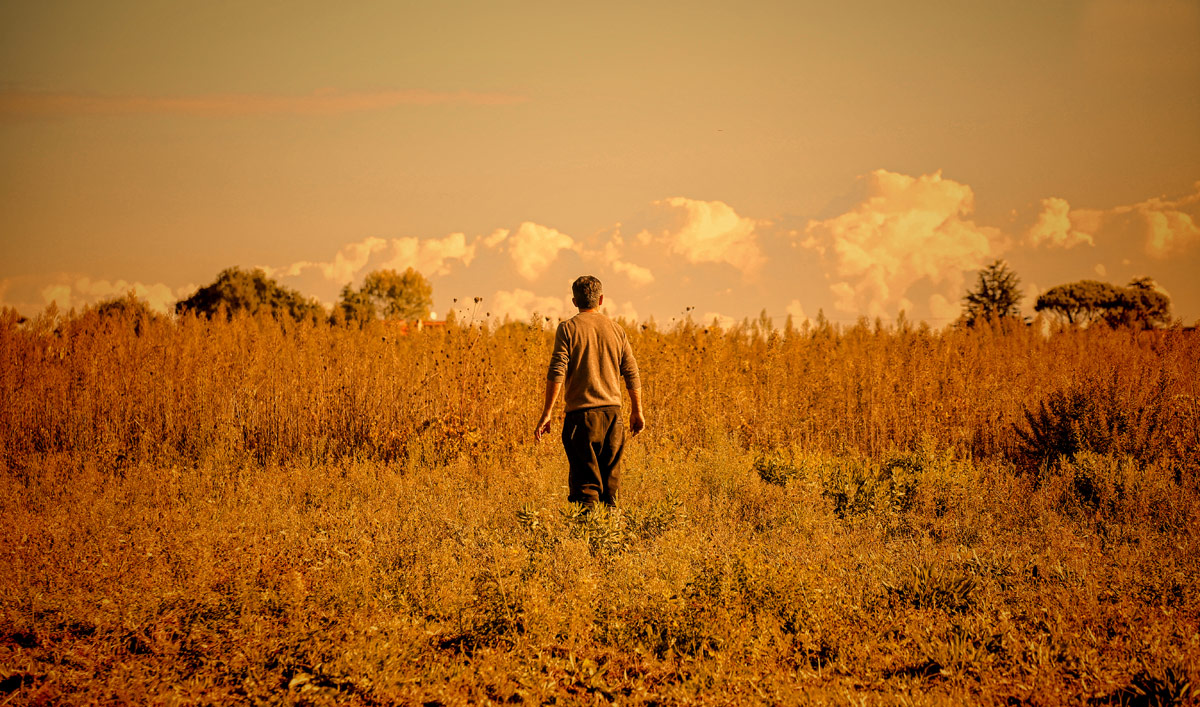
x: 72, y: 291
x: 46, y: 104
x: 430, y: 256
x: 1165, y: 226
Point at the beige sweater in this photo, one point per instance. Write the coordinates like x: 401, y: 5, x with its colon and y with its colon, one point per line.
x: 592, y: 353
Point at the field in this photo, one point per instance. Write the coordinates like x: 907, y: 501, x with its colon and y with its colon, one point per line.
x: 249, y: 511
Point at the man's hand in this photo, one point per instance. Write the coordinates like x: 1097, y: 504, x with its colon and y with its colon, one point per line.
x: 543, y: 427
x: 637, y: 423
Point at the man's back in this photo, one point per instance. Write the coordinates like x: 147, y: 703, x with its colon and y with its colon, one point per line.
x: 593, y: 355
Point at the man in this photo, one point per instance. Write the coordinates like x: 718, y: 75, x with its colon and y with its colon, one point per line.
x: 591, y: 356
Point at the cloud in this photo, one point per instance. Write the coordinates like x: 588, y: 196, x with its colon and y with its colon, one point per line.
x: 795, y: 310
x: 1168, y: 230
x: 610, y: 255
x: 17, y: 103
x: 943, y: 308
x: 346, y: 263
x: 723, y: 321
x: 521, y: 305
x: 637, y: 274
x: 1054, y: 226
x: 429, y: 256
x: 713, y: 233
x: 1165, y: 226
x: 498, y: 236
x: 907, y: 229
x: 74, y: 292
x: 625, y: 310
x: 534, y: 247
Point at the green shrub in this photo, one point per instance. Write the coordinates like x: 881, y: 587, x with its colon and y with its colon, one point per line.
x: 940, y: 586
x: 1107, y: 417
x: 775, y: 469
x: 856, y: 486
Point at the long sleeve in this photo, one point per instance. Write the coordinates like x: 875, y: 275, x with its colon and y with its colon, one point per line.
x: 629, y: 368
x: 560, y: 355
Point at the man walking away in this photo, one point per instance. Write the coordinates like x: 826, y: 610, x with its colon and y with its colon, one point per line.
x: 591, y: 356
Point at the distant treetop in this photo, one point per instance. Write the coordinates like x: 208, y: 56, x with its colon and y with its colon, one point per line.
x: 387, y: 294
x: 237, y: 290
x: 1140, y: 304
x: 996, y: 295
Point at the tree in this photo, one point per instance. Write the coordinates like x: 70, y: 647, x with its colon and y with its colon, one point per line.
x: 1141, y: 304
x: 354, y: 306
x: 996, y: 295
x: 237, y: 290
x: 1080, y: 302
x: 390, y: 295
x: 127, y: 308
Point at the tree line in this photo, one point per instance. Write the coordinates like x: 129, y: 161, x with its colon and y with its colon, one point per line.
x: 997, y: 295
x: 408, y: 295
x: 384, y: 294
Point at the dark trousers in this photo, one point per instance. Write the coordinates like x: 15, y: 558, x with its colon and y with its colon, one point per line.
x: 594, y: 439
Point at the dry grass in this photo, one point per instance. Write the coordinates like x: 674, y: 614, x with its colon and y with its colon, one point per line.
x: 243, y: 512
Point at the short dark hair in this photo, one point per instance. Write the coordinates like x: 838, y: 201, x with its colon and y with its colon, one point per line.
x: 587, y: 291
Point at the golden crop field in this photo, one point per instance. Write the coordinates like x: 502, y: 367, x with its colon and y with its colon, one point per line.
x: 256, y: 512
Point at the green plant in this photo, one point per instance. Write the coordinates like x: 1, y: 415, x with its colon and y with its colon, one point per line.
x: 932, y: 585
x: 775, y: 469
x: 1105, y: 416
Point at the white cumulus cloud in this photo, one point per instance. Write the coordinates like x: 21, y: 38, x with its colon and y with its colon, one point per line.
x: 520, y: 305
x: 1055, y: 227
x: 907, y: 229
x: 712, y: 232
x: 1168, y: 230
x: 637, y: 274
x: 430, y: 256
x: 1165, y: 226
x: 76, y: 293
x: 534, y: 247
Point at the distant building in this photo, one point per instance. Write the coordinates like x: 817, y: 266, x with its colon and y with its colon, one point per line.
x: 403, y: 327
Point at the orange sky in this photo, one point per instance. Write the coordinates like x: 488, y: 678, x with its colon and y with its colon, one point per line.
x: 859, y: 158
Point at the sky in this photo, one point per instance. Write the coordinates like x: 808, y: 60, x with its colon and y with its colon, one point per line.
x: 711, y: 159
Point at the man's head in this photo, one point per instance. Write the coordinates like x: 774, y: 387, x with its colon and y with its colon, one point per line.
x: 587, y: 291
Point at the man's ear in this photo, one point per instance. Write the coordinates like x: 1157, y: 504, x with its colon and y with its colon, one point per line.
x: 574, y: 302
x: 600, y: 301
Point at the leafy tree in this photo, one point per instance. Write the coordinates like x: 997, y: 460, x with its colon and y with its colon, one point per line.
x: 237, y: 290
x: 1080, y: 302
x: 996, y: 295
x: 127, y: 308
x: 390, y: 295
x: 1141, y: 304
x: 354, y: 306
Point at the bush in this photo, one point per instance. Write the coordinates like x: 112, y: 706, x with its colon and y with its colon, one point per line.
x: 1108, y: 417
x: 775, y: 469
x: 856, y: 486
